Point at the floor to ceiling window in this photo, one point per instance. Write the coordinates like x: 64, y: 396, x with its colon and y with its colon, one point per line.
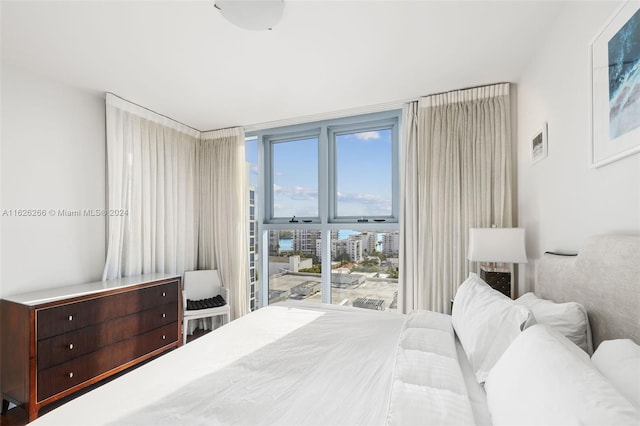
x: 252, y: 170
x: 326, y: 203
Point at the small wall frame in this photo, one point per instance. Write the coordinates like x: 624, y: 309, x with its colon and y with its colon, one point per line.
x: 539, y: 144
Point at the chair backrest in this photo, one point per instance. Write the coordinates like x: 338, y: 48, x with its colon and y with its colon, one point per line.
x: 202, y: 284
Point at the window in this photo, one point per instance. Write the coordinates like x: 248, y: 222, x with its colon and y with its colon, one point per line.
x: 294, y: 177
x: 364, y: 163
x: 329, y: 215
x: 340, y: 171
x: 294, y: 268
x: 361, y: 273
x: 251, y: 157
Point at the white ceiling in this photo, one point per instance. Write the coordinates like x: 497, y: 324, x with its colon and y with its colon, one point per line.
x: 183, y: 60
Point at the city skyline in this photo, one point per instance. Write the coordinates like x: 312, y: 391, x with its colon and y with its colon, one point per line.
x: 286, y: 243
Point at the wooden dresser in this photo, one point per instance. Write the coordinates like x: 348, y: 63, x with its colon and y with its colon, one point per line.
x: 57, y: 341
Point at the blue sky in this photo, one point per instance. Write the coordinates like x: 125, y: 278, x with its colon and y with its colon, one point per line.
x: 363, y: 175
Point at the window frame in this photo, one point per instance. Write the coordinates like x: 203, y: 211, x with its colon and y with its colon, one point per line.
x: 327, y: 220
x: 390, y: 123
x: 326, y: 131
x: 267, y: 143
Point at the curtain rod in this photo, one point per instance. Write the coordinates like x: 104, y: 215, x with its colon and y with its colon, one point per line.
x: 465, y: 88
x: 155, y: 112
x: 350, y: 111
x: 317, y: 117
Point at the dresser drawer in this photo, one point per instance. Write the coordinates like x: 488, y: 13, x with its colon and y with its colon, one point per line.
x: 65, y: 347
x: 59, y: 378
x: 114, y: 325
x: 73, y: 316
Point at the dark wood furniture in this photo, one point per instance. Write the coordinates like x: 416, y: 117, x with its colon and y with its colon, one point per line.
x: 499, y: 279
x: 58, y: 341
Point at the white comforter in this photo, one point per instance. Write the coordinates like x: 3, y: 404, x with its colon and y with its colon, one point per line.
x: 428, y: 386
x: 292, y: 364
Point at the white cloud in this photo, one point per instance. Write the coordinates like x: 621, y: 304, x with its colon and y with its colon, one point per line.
x: 363, y: 204
x: 296, y: 198
x: 365, y: 136
x: 295, y: 192
x: 362, y: 198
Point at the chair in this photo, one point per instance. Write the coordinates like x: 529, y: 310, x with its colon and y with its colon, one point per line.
x: 200, y: 285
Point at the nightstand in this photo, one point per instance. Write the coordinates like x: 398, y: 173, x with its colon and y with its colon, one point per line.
x: 499, y: 279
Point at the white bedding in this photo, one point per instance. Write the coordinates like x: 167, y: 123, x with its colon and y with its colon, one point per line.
x: 477, y: 395
x: 428, y: 387
x: 290, y: 364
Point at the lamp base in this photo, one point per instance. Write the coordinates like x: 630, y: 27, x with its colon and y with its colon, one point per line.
x: 498, y: 279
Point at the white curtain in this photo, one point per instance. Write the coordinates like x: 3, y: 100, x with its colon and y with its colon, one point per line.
x: 224, y: 221
x: 152, y: 197
x: 178, y: 198
x: 457, y: 174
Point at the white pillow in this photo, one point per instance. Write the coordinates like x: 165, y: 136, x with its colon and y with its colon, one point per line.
x: 619, y: 361
x: 570, y: 318
x: 545, y: 379
x: 486, y: 322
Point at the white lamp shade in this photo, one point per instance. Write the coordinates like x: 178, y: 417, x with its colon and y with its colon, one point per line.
x: 257, y: 15
x: 501, y: 245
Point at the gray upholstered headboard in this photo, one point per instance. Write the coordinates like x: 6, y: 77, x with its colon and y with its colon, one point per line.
x: 605, y: 278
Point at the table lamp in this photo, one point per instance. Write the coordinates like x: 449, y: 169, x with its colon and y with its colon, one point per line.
x: 497, y: 245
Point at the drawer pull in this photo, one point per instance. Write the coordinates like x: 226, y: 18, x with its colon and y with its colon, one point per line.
x: 70, y: 375
x: 164, y: 294
x: 164, y: 315
x: 164, y: 337
x: 70, y: 318
x: 70, y: 346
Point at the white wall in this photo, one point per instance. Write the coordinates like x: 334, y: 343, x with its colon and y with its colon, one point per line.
x: 561, y: 201
x: 53, y: 157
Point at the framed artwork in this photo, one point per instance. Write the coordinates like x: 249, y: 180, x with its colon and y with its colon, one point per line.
x: 615, y: 87
x: 539, y: 144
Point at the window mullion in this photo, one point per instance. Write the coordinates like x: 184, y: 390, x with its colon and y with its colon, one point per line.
x: 395, y: 175
x: 326, y: 265
x: 263, y: 299
x: 323, y: 202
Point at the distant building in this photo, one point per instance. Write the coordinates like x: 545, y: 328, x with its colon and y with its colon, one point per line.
x: 369, y: 303
x: 304, y: 240
x: 334, y: 236
x: 274, y: 242
x: 369, y: 241
x: 352, y: 247
x: 391, y: 243
x: 348, y: 279
x: 280, y: 264
x: 253, y: 250
x: 305, y: 289
x: 319, y: 250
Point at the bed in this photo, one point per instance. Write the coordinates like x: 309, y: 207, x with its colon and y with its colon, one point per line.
x: 298, y: 363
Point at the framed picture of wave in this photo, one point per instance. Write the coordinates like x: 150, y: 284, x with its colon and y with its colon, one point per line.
x: 615, y: 87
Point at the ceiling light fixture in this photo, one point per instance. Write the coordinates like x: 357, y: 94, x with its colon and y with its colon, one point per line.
x: 255, y: 15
